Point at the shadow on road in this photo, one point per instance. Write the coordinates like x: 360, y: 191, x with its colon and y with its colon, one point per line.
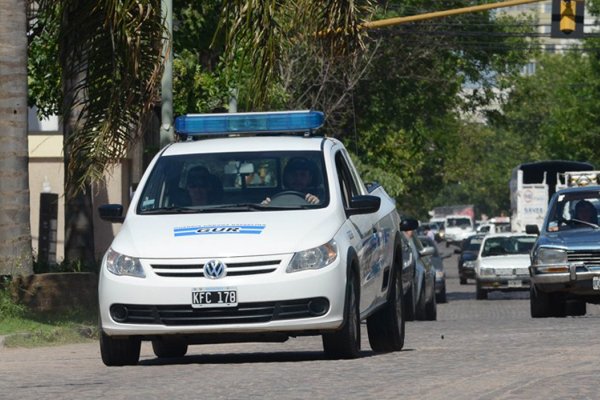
x: 248, y: 358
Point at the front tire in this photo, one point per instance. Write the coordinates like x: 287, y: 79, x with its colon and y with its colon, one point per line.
x: 540, y: 303
x: 480, y: 293
x: 386, y: 326
x: 421, y: 309
x: 431, y: 306
x: 164, y: 348
x: 119, y: 351
x: 409, y: 303
x: 345, y: 343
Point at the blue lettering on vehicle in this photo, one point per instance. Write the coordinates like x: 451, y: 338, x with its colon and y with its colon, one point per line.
x: 219, y: 230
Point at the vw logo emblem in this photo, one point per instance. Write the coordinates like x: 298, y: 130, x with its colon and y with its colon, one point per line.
x: 215, y: 269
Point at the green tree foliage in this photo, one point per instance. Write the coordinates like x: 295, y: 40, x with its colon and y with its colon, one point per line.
x: 411, y: 106
x: 555, y: 111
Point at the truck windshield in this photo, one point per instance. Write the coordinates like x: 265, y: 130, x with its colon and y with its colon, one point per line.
x: 237, y: 181
x: 458, y: 222
x: 574, y: 210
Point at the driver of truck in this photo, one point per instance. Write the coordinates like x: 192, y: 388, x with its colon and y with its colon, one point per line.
x: 585, y: 211
x: 300, y: 175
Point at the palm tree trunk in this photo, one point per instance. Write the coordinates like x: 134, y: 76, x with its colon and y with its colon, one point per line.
x: 15, y: 228
x: 79, y: 228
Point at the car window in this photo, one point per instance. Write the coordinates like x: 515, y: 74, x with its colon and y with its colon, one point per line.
x: 573, y: 210
x: 458, y: 222
x: 348, y: 186
x: 473, y: 244
x: 499, y: 246
x: 221, y: 179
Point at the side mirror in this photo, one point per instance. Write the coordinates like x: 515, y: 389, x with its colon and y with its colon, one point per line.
x: 363, y: 205
x: 111, y: 213
x: 427, y: 251
x: 532, y: 229
x: 409, y: 224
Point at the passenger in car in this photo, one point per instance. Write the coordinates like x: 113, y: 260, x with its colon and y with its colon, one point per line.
x: 203, y: 187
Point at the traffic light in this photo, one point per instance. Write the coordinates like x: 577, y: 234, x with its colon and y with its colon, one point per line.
x: 567, y: 16
x: 567, y: 19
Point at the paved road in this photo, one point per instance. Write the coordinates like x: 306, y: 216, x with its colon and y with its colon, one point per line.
x: 488, y: 349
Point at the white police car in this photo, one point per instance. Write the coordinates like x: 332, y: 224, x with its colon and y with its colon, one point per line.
x: 257, y: 231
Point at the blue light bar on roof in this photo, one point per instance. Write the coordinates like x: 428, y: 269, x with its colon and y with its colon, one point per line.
x: 256, y: 122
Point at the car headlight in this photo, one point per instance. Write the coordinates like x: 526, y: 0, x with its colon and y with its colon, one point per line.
x: 315, y: 258
x: 469, y: 264
x: 120, y: 264
x: 486, y: 271
x: 550, y: 256
x: 439, y: 274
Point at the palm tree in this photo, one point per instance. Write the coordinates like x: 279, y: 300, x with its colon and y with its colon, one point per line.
x: 15, y: 230
x: 111, y: 60
x: 263, y: 31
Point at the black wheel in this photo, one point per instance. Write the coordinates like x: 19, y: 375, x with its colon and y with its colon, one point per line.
x: 441, y: 296
x: 480, y: 293
x: 165, y: 348
x: 421, y: 308
x: 386, y: 326
x: 345, y: 343
x: 463, y: 280
x: 540, y: 303
x: 431, y: 307
x: 117, y: 351
x: 576, y: 308
x: 409, y: 303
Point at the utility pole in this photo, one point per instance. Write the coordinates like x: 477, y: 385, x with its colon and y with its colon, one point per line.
x: 166, y: 94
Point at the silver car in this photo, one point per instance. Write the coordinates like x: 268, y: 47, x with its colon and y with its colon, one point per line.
x: 502, y: 263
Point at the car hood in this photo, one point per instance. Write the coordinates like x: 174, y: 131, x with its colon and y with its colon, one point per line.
x: 225, y: 234
x: 506, y: 261
x: 576, y: 238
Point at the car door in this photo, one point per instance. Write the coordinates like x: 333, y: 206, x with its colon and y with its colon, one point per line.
x: 368, y: 245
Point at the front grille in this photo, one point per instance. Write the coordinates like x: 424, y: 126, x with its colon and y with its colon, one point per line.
x: 587, y: 257
x: 197, y: 270
x: 244, y: 313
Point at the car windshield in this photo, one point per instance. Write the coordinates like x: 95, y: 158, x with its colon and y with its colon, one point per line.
x: 574, y: 210
x: 458, y: 222
x: 507, y: 245
x: 473, y: 244
x: 237, y: 181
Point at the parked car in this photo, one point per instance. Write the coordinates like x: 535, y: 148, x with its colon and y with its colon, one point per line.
x: 220, y: 244
x: 425, y: 304
x: 503, y: 263
x: 438, y: 264
x: 467, y: 255
x: 565, y: 261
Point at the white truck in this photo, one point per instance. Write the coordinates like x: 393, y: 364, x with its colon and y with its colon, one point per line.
x: 532, y: 185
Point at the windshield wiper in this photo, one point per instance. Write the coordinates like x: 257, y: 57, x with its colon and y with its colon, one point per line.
x: 595, y: 226
x: 170, y: 210
x: 248, y: 207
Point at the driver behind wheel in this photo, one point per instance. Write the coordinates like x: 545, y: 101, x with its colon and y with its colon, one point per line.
x: 300, y: 175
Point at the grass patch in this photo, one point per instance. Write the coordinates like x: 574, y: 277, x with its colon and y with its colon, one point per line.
x: 24, y: 328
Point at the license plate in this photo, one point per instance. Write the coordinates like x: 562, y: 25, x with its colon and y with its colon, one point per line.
x: 221, y: 297
x: 596, y: 282
x: 515, y: 283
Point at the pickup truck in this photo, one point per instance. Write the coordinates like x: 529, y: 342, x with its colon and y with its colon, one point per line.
x: 222, y: 244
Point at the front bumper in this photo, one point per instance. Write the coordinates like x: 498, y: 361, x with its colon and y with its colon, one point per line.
x: 279, y: 298
x: 575, y: 278
x: 504, y: 283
